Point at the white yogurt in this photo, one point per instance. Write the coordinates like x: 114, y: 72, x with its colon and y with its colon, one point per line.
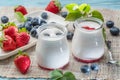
x: 52, y: 49
x: 88, y: 44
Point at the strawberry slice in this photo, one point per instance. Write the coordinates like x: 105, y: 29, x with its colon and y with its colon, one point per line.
x: 22, y: 62
x: 54, y: 6
x: 88, y: 28
x: 8, y: 44
x: 22, y: 39
x: 21, y: 9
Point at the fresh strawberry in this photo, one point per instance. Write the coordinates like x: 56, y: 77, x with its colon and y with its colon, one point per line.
x: 54, y: 6
x: 11, y: 31
x: 22, y: 62
x: 88, y: 28
x: 22, y: 39
x: 8, y: 44
x: 21, y: 9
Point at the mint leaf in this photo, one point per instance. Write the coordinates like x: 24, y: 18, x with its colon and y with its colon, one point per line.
x: 56, y: 74
x: 71, y: 7
x: 69, y: 76
x: 20, y: 17
x: 73, y: 16
x: 84, y: 7
x: 97, y: 14
x: 104, y: 33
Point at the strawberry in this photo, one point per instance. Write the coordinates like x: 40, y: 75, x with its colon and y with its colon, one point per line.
x: 88, y: 28
x: 8, y: 44
x: 11, y: 31
x: 22, y: 39
x: 22, y: 62
x: 21, y: 9
x: 54, y: 6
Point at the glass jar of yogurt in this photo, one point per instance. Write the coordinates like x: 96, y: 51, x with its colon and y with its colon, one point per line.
x: 52, y: 50
x: 88, y: 42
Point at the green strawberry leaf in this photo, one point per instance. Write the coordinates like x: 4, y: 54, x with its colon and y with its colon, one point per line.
x: 22, y: 30
x: 97, y: 14
x: 57, y: 3
x: 56, y: 74
x: 8, y: 25
x: 73, y: 16
x: 104, y: 33
x: 20, y: 17
x: 71, y: 7
x: 84, y: 7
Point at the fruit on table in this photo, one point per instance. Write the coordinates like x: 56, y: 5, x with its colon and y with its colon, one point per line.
x: 22, y: 62
x: 32, y: 24
x: 44, y: 15
x: 94, y: 67
x: 34, y: 33
x: 114, y: 31
x: 4, y: 19
x: 11, y: 31
x: 109, y: 24
x: 85, y: 69
x: 28, y: 25
x: 64, y: 14
x: 8, y: 44
x: 22, y: 39
x: 70, y: 35
x: 54, y: 6
x: 21, y: 9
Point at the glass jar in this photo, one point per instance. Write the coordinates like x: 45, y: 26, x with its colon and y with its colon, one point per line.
x: 88, y: 41
x: 52, y: 49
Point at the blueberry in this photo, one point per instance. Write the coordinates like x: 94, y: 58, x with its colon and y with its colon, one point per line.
x: 34, y: 33
x: 94, y: 67
x: 4, y: 19
x: 28, y: 25
x: 114, y: 31
x: 42, y: 22
x: 44, y: 15
x: 64, y: 14
x: 85, y: 69
x: 29, y: 18
x: 70, y: 35
x: 35, y: 21
x: 20, y: 26
x: 109, y: 24
x: 36, y: 27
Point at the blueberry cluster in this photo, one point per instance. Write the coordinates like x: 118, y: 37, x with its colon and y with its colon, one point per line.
x: 4, y: 19
x: 113, y: 30
x: 87, y: 69
x: 33, y: 23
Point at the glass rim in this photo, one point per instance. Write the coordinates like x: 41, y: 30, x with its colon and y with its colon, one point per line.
x: 55, y: 25
x: 92, y: 19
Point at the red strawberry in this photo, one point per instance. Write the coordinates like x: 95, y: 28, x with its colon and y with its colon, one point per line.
x: 88, y: 28
x: 22, y: 62
x: 21, y: 9
x: 54, y: 6
x: 11, y: 31
x: 22, y: 39
x: 8, y: 44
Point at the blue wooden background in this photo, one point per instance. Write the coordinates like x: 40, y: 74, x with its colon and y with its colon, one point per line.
x: 113, y: 4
